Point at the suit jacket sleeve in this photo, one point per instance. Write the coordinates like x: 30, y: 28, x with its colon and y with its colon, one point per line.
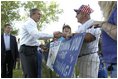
x: 15, y: 47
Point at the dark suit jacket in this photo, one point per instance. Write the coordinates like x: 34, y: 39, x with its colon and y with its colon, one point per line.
x: 13, y: 47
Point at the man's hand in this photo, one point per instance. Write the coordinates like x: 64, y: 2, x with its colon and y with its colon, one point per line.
x: 89, y: 38
x: 97, y: 24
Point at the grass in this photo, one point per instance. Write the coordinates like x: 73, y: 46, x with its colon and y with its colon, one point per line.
x: 46, y: 72
x: 17, y: 73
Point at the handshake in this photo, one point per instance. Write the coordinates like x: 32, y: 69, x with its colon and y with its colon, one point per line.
x: 59, y: 34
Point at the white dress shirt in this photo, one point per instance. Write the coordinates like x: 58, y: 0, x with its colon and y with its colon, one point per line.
x: 29, y: 34
x: 7, y: 41
x: 92, y: 46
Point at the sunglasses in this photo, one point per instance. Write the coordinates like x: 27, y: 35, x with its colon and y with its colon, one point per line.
x: 77, y: 12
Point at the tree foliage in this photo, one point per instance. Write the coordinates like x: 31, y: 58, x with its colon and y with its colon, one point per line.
x: 49, y: 11
x: 10, y: 11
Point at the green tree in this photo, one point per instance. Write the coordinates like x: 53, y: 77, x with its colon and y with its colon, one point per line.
x: 10, y: 11
x: 49, y: 11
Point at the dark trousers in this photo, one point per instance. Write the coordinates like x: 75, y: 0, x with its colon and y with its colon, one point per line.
x: 39, y: 63
x: 7, y: 66
x: 29, y: 61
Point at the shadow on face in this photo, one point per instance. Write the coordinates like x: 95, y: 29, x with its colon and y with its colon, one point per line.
x: 67, y: 31
x: 7, y: 29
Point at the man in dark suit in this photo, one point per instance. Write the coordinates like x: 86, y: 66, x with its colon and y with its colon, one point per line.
x: 9, y: 52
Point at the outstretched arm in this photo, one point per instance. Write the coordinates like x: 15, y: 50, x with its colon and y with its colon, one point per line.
x: 110, y: 29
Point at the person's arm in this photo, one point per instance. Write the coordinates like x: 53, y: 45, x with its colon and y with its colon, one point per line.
x: 16, y: 49
x: 33, y: 31
x: 92, y: 34
x: 89, y: 37
x: 38, y: 35
x: 110, y: 29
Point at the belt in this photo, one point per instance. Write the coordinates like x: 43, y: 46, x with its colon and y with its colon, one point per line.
x: 86, y: 54
x: 8, y: 51
x: 29, y: 46
x: 113, y: 63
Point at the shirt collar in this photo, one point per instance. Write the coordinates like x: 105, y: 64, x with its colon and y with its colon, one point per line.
x: 32, y: 20
x: 6, y: 34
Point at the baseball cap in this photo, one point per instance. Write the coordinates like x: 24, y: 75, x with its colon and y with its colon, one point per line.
x: 85, y: 9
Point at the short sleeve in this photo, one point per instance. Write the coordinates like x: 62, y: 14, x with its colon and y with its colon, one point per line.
x: 113, y: 17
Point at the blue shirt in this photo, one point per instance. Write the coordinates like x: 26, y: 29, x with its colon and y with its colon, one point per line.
x: 109, y: 46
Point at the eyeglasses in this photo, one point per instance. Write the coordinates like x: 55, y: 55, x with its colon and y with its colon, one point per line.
x: 77, y: 13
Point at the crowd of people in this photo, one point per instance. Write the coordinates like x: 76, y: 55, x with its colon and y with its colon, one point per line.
x: 98, y: 54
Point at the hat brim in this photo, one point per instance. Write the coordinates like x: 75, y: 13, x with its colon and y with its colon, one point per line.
x: 75, y: 10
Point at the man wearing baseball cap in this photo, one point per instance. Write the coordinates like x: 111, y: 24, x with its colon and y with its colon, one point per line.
x: 88, y: 59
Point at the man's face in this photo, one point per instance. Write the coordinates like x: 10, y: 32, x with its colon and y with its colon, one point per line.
x: 67, y: 31
x: 79, y: 17
x: 7, y: 29
x: 37, y: 16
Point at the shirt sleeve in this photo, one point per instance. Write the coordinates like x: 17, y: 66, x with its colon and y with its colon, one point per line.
x: 33, y: 31
x: 96, y: 32
x: 113, y: 17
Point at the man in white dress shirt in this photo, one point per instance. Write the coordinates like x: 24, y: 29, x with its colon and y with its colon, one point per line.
x: 28, y: 50
x: 88, y: 60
